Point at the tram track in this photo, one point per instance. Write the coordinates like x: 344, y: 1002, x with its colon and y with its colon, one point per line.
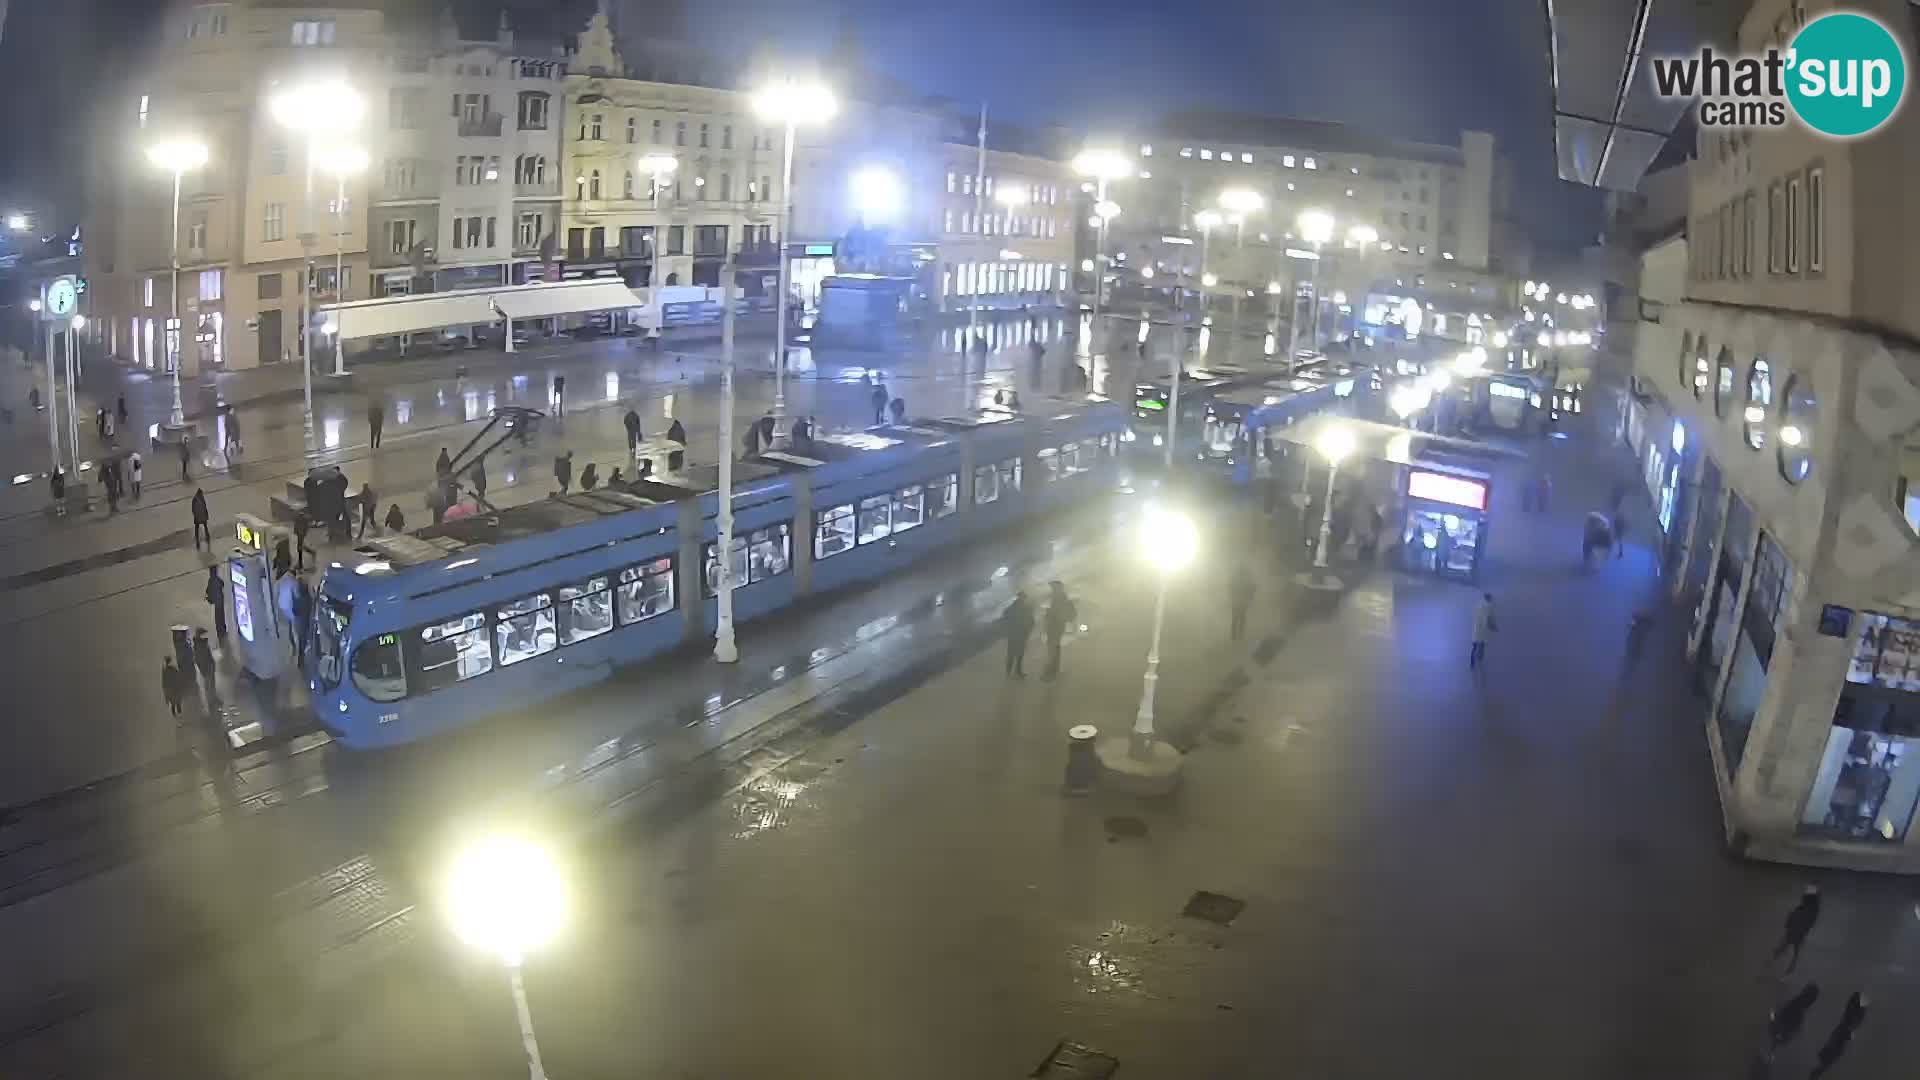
x: 357, y: 903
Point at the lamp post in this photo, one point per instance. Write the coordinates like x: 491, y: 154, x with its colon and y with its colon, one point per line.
x: 789, y: 103
x: 505, y: 897
x: 1101, y: 166
x: 1316, y: 228
x: 321, y: 111
x: 725, y: 649
x: 342, y: 162
x: 659, y: 167
x: 1206, y: 221
x: 1335, y: 443
x: 176, y: 156
x: 1168, y: 540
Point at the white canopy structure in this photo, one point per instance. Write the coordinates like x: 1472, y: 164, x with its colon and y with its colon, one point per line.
x: 359, y: 319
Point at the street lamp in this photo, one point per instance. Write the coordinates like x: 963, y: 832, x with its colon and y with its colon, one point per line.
x: 789, y: 102
x: 505, y: 896
x: 342, y: 161
x: 177, y: 156
x: 17, y: 222
x: 1101, y: 165
x: 658, y: 166
x: 1362, y: 237
x: 326, y: 110
x: 877, y: 194
x: 1316, y: 228
x: 1168, y: 542
x: 1335, y: 443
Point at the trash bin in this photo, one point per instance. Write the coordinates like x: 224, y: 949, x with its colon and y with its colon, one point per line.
x: 1081, y: 764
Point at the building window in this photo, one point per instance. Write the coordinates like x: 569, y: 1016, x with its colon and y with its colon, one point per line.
x: 679, y: 133
x: 1776, y: 228
x: 1759, y: 403
x: 726, y: 187
x: 656, y: 132
x: 400, y: 235
x: 593, y: 184
x: 532, y: 229
x: 533, y: 111
x: 275, y: 224
x: 276, y: 156
x: 310, y: 32
x: 1746, y: 235
x: 1816, y: 219
x: 1799, y: 411
x: 766, y: 188
x: 1206, y: 154
x: 1793, y: 225
x: 726, y: 137
x: 1723, y: 383
x: 1309, y: 163
x: 530, y: 169
x: 197, y: 231
x: 632, y: 129
x: 146, y: 103
x: 951, y: 182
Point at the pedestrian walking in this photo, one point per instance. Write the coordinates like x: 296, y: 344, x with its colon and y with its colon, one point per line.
x: 396, y: 521
x: 1061, y: 614
x: 478, y: 475
x: 57, y: 481
x: 120, y: 409
x: 302, y: 525
x: 1851, y: 1017
x: 1783, y: 1024
x: 880, y: 397
x: 1793, y: 934
x: 1597, y: 536
x: 368, y: 505
x: 302, y: 610
x: 443, y: 465
x: 137, y: 472
x: 632, y: 421
x: 563, y: 471
x: 677, y: 432
x: 110, y: 480
x: 376, y: 420
x: 33, y: 398
x: 559, y: 395
x: 234, y: 447
x: 766, y: 430
x: 1241, y: 585
x: 113, y: 427
x: 437, y: 503
x: 589, y: 477
x: 1619, y: 533
x: 1017, y: 623
x: 200, y: 519
x: 1484, y: 626
x: 898, y: 407
x: 186, y: 454
x: 171, y: 687
x: 216, y: 595
x: 203, y: 660
x: 100, y: 423
x: 750, y: 442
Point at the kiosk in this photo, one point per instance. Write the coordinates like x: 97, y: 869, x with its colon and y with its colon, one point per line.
x: 266, y: 639
x: 1445, y: 530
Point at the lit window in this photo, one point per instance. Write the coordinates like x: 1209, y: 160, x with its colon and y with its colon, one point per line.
x: 1816, y: 227
x: 313, y: 32
x: 1309, y: 163
x: 1287, y: 160
x: 1186, y: 151
x: 1349, y: 193
x: 1246, y: 159
x: 145, y: 101
x: 1206, y: 155
x: 1145, y: 150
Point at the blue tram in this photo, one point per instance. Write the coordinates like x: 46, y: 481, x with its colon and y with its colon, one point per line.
x: 430, y: 631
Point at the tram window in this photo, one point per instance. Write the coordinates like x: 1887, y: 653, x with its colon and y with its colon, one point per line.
x: 833, y: 531
x: 710, y: 566
x: 876, y: 518
x: 645, y: 591
x: 377, y: 670
x: 524, y: 629
x: 946, y: 495
x: 1010, y: 471
x: 909, y: 508
x: 447, y: 653
x: 586, y: 610
x: 761, y: 554
x: 1049, y: 465
x: 986, y: 485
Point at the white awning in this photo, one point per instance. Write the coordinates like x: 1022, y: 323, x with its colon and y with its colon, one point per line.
x: 564, y: 298
x: 360, y: 319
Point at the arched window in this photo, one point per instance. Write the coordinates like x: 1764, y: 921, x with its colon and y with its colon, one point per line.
x: 630, y: 129
x: 1723, y: 382
x: 1759, y: 401
x: 593, y: 184
x: 1702, y: 371
x: 1686, y: 358
x: 626, y: 189
x: 1799, y: 412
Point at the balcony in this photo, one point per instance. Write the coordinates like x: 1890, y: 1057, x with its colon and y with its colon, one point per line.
x: 481, y: 126
x: 549, y: 188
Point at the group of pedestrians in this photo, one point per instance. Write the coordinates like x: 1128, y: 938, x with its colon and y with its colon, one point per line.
x: 191, y: 668
x: 1017, y: 623
x: 1786, y: 1020
x: 884, y: 403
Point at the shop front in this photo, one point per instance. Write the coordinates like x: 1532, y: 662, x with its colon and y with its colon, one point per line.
x: 1444, y: 532
x: 1868, y: 779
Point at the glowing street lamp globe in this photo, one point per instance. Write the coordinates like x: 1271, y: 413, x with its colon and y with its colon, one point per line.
x: 1168, y: 539
x: 1208, y: 219
x: 322, y: 108
x: 1362, y: 236
x: 796, y: 101
x: 1103, y: 164
x: 1241, y: 201
x: 174, y: 155
x: 1316, y: 226
x: 505, y: 896
x: 1335, y: 443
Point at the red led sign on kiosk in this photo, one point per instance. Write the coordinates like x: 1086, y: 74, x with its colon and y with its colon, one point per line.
x: 1440, y: 487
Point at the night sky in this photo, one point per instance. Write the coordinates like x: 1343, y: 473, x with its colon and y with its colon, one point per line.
x: 1411, y: 68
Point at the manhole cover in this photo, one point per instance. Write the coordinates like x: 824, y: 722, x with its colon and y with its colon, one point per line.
x: 1072, y: 1061
x: 1129, y: 827
x: 1213, y: 907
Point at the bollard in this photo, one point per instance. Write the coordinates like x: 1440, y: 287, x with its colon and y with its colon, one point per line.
x: 1081, y: 764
